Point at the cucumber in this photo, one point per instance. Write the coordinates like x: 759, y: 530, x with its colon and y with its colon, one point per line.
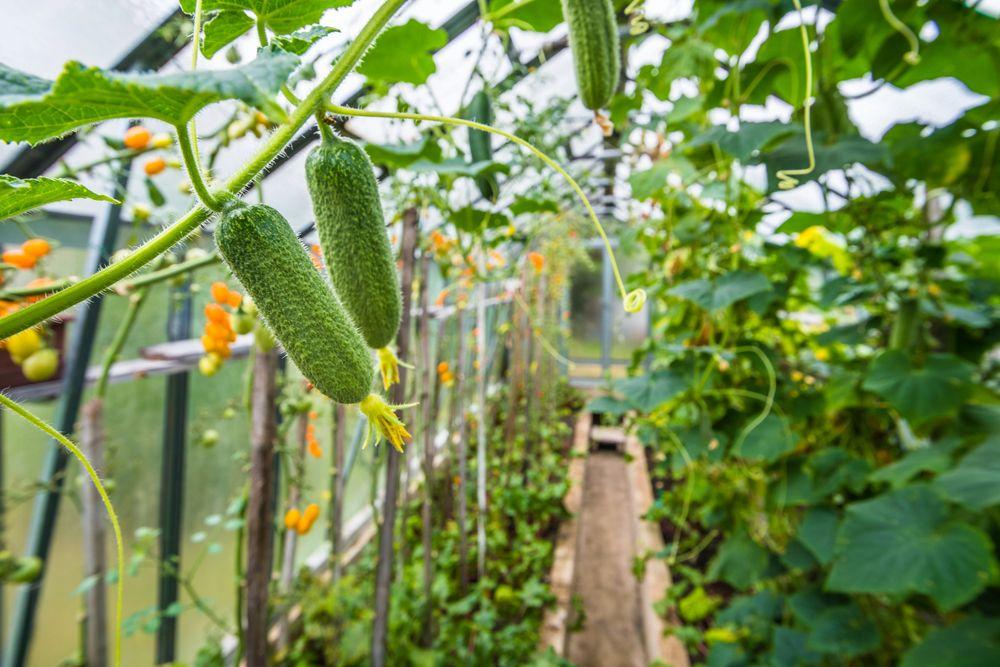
x: 593, y: 40
x: 352, y: 234
x: 294, y: 301
x: 480, y: 143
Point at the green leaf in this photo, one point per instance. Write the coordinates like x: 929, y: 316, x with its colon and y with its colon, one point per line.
x: 403, y: 155
x: 970, y: 642
x: 473, y: 220
x: 818, y: 532
x: 975, y: 481
x: 755, y: 613
x: 723, y: 291
x: 935, y: 458
x: 647, y: 392
x: 740, y: 562
x: 531, y: 205
x: 771, y: 440
x: 534, y: 15
x: 920, y: 394
x: 843, y: 631
x: 281, y: 16
x: 16, y: 85
x: 608, y: 405
x: 746, y: 142
x: 81, y: 96
x: 222, y: 29
x: 18, y: 196
x: 788, y: 649
x: 791, y: 153
x: 906, y: 542
x: 825, y: 473
x: 403, y: 54
x: 301, y: 40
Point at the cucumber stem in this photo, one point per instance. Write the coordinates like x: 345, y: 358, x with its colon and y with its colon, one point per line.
x: 189, y: 153
x: 38, y: 423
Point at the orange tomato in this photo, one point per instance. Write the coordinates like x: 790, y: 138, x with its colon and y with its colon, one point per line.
x: 217, y: 331
x: 36, y: 248
x: 154, y: 166
x: 292, y: 517
x: 537, y: 260
x: 215, y: 313
x: 311, y: 512
x: 220, y: 292
x: 137, y: 138
x: 234, y: 299
x: 315, y: 450
x: 18, y: 259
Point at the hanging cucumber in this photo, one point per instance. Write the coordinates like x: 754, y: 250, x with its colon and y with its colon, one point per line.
x: 304, y: 315
x: 480, y: 143
x: 296, y: 304
x: 352, y: 234
x: 593, y: 40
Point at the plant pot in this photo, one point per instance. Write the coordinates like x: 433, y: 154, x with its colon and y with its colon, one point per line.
x: 10, y: 373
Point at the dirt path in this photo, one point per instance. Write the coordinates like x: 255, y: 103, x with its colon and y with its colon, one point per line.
x: 612, y: 634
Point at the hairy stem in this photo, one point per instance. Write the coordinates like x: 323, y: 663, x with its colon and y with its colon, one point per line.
x: 119, y: 543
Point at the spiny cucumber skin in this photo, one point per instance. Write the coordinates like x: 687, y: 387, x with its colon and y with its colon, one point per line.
x: 480, y: 143
x: 352, y: 234
x: 593, y: 39
x: 295, y: 302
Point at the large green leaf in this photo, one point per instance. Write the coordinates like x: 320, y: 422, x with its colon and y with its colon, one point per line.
x: 281, y: 16
x: 19, y: 196
x: 971, y: 642
x: 818, y: 532
x: 905, y: 541
x: 920, y: 394
x: 647, y: 392
x: 740, y: 562
x: 403, y: 155
x: 723, y: 291
x: 473, y: 220
x: 771, y: 440
x: 222, y: 29
x: 403, y: 54
x: 935, y: 458
x: 747, y: 141
x: 788, y: 649
x: 843, y: 631
x: 975, y: 481
x: 81, y: 95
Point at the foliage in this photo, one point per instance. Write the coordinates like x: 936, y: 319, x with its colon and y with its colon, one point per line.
x: 821, y: 400
x: 496, y: 621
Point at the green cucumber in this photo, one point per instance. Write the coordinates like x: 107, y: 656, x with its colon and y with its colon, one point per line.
x: 593, y: 40
x: 480, y: 110
x: 294, y: 301
x: 352, y: 234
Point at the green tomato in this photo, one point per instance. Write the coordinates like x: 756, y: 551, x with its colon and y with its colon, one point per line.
x: 41, y: 365
x: 210, y: 438
x: 244, y: 323
x: 23, y: 344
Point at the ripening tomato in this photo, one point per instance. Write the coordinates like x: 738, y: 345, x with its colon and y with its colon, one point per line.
x: 154, y: 166
x: 41, y: 365
x: 36, y: 248
x: 137, y: 138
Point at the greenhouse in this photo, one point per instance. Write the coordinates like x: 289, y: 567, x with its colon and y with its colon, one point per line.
x: 595, y: 333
